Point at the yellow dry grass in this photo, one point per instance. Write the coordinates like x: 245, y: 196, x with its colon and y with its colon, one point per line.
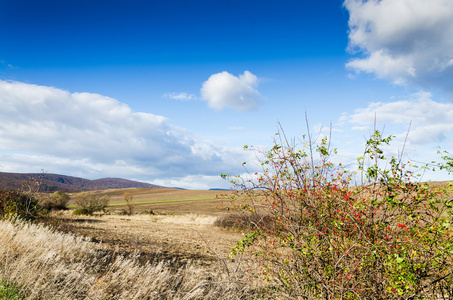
x: 47, y: 264
x: 182, y: 237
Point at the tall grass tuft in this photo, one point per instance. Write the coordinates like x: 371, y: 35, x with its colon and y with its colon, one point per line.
x: 46, y: 264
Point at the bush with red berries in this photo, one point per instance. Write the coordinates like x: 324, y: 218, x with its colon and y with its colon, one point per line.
x: 329, y: 233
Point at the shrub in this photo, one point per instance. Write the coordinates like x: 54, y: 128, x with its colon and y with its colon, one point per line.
x: 80, y: 212
x: 385, y: 237
x: 92, y: 202
x: 130, y: 205
x: 15, y: 204
x: 55, y: 201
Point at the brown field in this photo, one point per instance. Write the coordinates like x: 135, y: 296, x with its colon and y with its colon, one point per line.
x: 181, y: 230
x: 185, y: 201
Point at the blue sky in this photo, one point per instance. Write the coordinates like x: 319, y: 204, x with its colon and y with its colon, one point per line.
x: 168, y: 92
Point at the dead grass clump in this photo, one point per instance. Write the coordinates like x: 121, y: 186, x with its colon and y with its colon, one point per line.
x: 52, y: 265
x: 242, y: 221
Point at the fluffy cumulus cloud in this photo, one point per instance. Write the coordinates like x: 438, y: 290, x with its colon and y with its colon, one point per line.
x: 226, y: 90
x: 90, y: 135
x: 431, y: 121
x: 407, y: 41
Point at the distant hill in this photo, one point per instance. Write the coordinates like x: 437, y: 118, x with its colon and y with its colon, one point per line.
x: 68, y: 184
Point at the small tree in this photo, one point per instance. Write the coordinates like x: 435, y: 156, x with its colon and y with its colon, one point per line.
x: 321, y: 237
x: 91, y: 202
x: 130, y: 205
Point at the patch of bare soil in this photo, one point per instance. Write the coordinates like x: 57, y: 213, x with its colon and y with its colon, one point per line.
x: 178, y: 238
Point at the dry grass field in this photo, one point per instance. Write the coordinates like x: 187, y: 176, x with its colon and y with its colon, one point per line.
x: 175, y: 252
x: 37, y: 262
x: 173, y: 225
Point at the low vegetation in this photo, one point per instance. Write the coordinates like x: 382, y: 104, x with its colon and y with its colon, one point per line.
x: 10, y: 291
x: 320, y: 231
x: 55, y: 201
x: 88, y: 203
x: 45, y: 264
x: 17, y: 204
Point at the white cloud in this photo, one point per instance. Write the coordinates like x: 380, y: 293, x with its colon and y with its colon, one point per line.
x: 179, y: 96
x: 238, y: 128
x: 431, y: 120
x: 226, y: 90
x: 407, y: 41
x: 196, y: 182
x: 93, y: 136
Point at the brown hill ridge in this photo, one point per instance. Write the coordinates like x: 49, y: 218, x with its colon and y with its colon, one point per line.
x: 67, y: 184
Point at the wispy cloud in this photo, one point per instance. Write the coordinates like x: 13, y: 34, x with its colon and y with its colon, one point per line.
x: 226, y: 90
x: 406, y: 41
x: 179, y: 96
x: 238, y: 128
x: 6, y: 64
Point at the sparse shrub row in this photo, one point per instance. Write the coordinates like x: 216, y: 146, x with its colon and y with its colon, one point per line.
x: 30, y: 206
x: 324, y: 232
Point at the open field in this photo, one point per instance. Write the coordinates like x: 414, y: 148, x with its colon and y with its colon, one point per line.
x: 166, y: 224
x: 188, y: 237
x: 170, y: 201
